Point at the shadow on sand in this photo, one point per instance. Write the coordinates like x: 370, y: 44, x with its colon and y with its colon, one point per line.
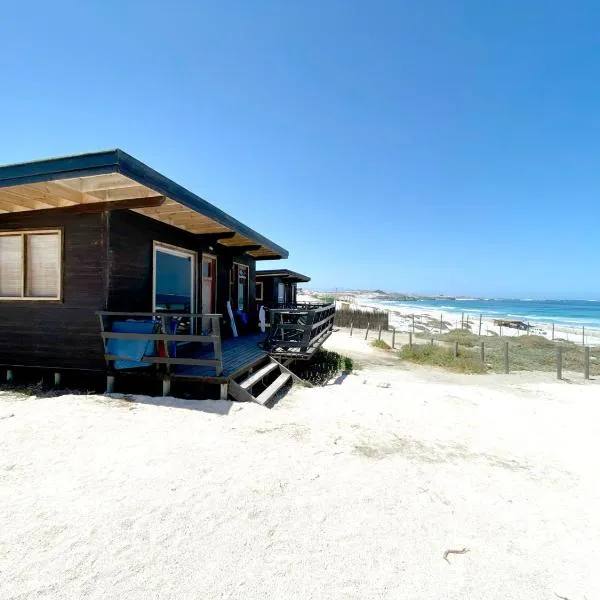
x: 217, y: 407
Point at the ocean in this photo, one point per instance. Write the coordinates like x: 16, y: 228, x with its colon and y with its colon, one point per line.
x: 569, y: 313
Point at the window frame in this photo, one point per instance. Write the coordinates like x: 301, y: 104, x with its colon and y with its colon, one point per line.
x: 182, y: 253
x: 23, y: 233
x: 262, y: 291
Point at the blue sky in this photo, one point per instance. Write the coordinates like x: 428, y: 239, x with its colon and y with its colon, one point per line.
x: 441, y: 146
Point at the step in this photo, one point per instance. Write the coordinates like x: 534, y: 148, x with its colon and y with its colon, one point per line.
x: 256, y: 377
x: 273, y: 388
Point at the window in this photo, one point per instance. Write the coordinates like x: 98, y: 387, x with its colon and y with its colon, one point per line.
x: 30, y: 265
x: 174, y: 279
x: 280, y: 293
x: 259, y: 290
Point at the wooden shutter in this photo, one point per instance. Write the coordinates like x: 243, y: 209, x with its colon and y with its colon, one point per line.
x: 11, y: 266
x: 43, y: 265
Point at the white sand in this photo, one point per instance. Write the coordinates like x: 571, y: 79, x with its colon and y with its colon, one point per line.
x: 354, y: 490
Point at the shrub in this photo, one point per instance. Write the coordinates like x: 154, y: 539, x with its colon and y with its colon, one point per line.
x: 324, y: 365
x: 380, y: 344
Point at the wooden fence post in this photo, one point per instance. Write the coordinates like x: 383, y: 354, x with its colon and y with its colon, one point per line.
x: 413, y: 323
x: 500, y: 330
x: 351, y: 328
x: 479, y: 323
x: 410, y: 340
x: 506, y: 366
x: 431, y: 342
x: 482, y: 352
x: 455, y: 349
x: 559, y: 363
x: 379, y: 334
x: 367, y: 331
x: 467, y: 321
x: 441, y: 323
x: 393, y: 337
x: 552, y: 331
x: 583, y: 335
x: 586, y: 362
x: 462, y: 320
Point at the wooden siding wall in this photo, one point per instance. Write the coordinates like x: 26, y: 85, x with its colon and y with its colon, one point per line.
x: 131, y: 238
x: 107, y: 265
x: 270, y: 285
x: 53, y: 333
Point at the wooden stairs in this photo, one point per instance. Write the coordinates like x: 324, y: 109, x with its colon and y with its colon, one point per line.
x: 268, y: 377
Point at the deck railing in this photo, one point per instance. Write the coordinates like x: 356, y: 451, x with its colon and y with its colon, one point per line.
x: 299, y: 330
x: 169, y: 331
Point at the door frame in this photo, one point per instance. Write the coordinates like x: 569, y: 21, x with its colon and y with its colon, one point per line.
x: 236, y: 283
x: 183, y: 253
x: 215, y: 277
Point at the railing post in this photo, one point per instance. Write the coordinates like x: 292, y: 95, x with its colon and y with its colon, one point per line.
x: 379, y: 335
x: 306, y: 337
x: 217, y: 345
x: 164, y: 328
x: 482, y: 352
x: 410, y: 339
x: 559, y: 363
x: 586, y: 362
x: 506, y: 366
x: 393, y: 337
x: 367, y: 332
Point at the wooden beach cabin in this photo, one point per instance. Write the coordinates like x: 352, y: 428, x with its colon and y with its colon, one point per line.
x: 278, y: 287
x: 108, y: 266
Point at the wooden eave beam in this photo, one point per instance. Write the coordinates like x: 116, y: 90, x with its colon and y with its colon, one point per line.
x: 215, y: 237
x: 241, y: 249
x: 94, y: 207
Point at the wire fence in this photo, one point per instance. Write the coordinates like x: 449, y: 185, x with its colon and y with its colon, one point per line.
x: 489, y: 354
x: 349, y: 314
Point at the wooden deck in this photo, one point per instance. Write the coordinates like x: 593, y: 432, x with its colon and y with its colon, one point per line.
x: 239, y: 354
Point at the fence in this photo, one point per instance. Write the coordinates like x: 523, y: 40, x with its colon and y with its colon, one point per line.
x: 495, y: 354
x: 480, y: 324
x: 361, y: 319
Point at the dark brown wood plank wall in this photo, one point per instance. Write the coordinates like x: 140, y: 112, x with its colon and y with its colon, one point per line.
x: 107, y: 265
x: 130, y: 248
x: 53, y: 333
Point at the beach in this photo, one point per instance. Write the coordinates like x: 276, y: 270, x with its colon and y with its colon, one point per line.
x: 427, y: 319
x: 358, y: 489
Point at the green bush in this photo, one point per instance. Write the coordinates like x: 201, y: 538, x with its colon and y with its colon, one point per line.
x: 436, y: 356
x: 380, y: 344
x: 323, y: 366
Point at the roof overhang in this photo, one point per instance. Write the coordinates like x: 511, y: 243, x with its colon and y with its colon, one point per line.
x: 117, y: 180
x: 291, y: 276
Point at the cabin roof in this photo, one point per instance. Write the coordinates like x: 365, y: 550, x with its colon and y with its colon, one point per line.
x: 119, y: 181
x: 284, y: 274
